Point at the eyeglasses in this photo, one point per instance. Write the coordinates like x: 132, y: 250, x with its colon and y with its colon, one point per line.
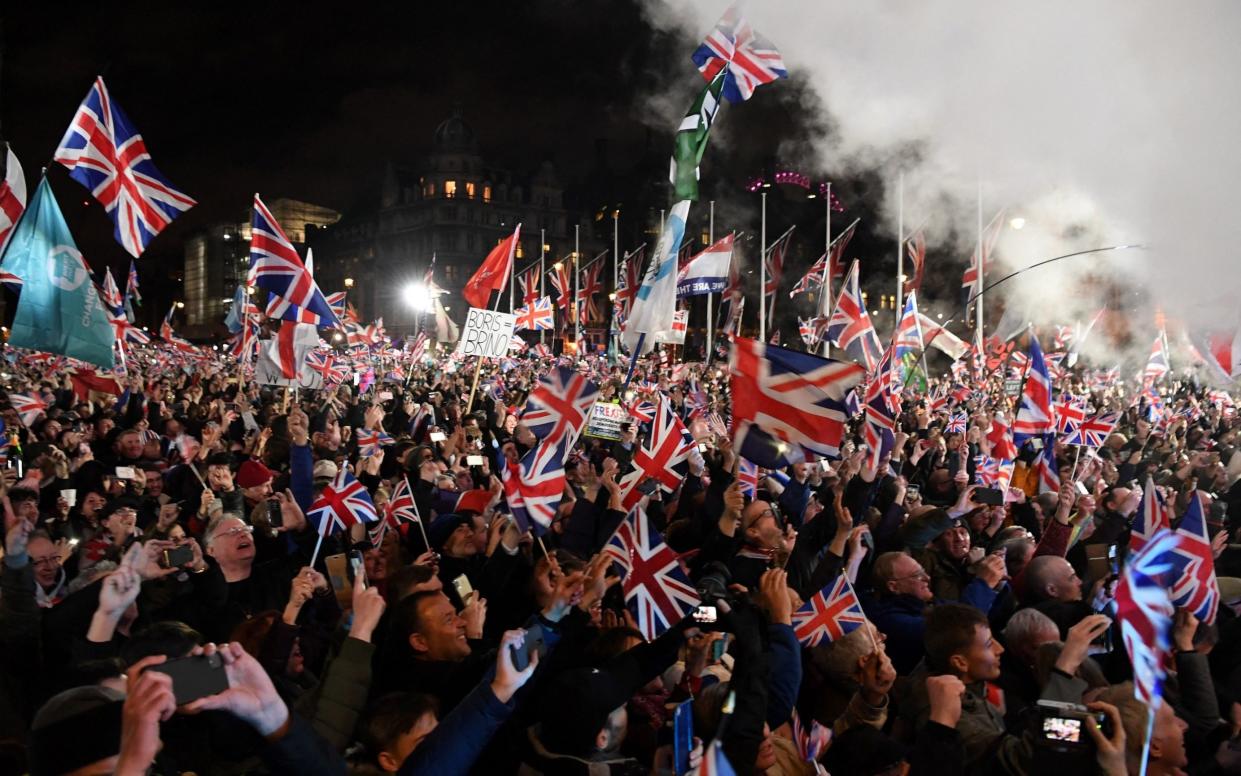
x: 236, y: 530
x: 919, y: 575
x: 50, y: 560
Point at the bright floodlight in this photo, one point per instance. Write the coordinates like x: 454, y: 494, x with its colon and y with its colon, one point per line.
x: 418, y: 297
x: 1017, y: 223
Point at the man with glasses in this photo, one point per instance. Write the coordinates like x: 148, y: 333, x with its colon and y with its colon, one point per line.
x: 768, y: 540
x: 49, y: 572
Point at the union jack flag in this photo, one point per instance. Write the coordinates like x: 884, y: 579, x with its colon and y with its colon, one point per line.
x: 104, y: 153
x: 327, y: 365
x: 165, y: 331
x: 343, y: 503
x: 401, y: 506
x: 1070, y: 413
x: 370, y: 441
x: 850, y: 328
x: 881, y: 405
x: 774, y: 258
x: 12, y: 197
x: 1197, y: 589
x: 588, y: 286
x: 663, y: 456
x: 1094, y: 431
x: 529, y: 284
x: 1047, y: 469
x: 131, y: 284
x: 987, y: 470
x: 908, y: 337
x: 536, y: 317
x: 787, y: 403
x: 832, y: 261
x: 656, y: 588
x: 534, y: 486
x: 747, y: 474
x: 29, y: 406
x: 714, y: 762
x: 751, y: 59
x: 1144, y: 610
x: 558, y: 406
x: 1157, y: 364
x: 124, y: 331
x: 1035, y: 417
x: 830, y: 614
x: 642, y: 411
x: 564, y: 288
x: 957, y: 423
x: 277, y: 268
x: 915, y: 249
x: 628, y: 281
x: 972, y: 280
x: 810, y: 743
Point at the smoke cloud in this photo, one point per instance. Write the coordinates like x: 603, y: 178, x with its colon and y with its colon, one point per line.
x: 1102, y: 123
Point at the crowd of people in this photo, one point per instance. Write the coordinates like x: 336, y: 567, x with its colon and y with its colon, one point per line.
x: 167, y: 606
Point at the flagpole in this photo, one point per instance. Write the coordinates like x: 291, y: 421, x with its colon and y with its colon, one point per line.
x: 542, y: 269
x: 577, y: 287
x: 616, y: 258
x: 710, y: 296
x: 512, y: 279
x: 826, y: 300
x: 900, y: 247
x: 762, y: 269
x: 978, y: 334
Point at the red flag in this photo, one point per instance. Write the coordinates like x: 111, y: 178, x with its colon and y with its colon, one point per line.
x: 493, y: 274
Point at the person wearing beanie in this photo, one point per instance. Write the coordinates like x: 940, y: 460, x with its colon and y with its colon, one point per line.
x: 77, y: 732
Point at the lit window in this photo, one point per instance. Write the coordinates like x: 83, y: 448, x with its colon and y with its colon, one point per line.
x: 450, y: 189
x: 431, y: 189
x: 486, y: 193
x: 706, y: 238
x: 469, y: 189
x: 520, y: 252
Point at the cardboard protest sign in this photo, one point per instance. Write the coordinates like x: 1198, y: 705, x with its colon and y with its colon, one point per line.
x: 486, y: 334
x: 605, y: 421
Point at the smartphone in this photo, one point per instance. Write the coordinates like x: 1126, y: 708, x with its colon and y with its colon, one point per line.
x: 275, y: 516
x: 702, y: 448
x: 535, y: 643
x: 474, y: 460
x: 465, y: 591
x: 705, y: 614
x: 70, y: 495
x: 385, y: 395
x: 718, y: 648
x: 993, y: 497
x: 177, y: 557
x: 357, y: 569
x: 682, y: 736
x: 125, y: 473
x: 1081, y: 488
x: 194, y: 677
x: 438, y: 436
x: 648, y: 486
x: 338, y: 575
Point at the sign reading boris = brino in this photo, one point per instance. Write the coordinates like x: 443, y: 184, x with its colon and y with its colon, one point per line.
x: 486, y: 334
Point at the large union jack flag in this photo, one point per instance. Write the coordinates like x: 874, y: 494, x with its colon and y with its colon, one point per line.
x: 656, y: 588
x: 534, y: 486
x: 787, y: 404
x: 774, y: 259
x: 628, y: 281
x: 559, y: 405
x: 1197, y: 589
x: 104, y: 153
x: 751, y: 59
x: 528, y: 281
x: 343, y: 503
x: 1035, y: 416
x: 663, y: 455
x: 972, y: 280
x: 277, y: 268
x: 535, y: 317
x: 850, y: 328
x: 29, y: 406
x: 1157, y: 364
x: 1094, y: 430
x: 589, y: 285
x: 830, y: 614
x: 564, y: 288
x: 1145, y: 611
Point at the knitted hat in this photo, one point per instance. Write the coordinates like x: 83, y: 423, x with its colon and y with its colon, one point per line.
x: 253, y: 474
x: 74, y: 729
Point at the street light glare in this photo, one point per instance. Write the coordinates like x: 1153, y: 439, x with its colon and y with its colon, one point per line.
x: 418, y: 297
x: 1017, y: 222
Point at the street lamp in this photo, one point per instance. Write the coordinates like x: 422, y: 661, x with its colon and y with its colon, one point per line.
x: 418, y: 297
x: 1017, y: 222
x: 180, y: 305
x: 348, y: 282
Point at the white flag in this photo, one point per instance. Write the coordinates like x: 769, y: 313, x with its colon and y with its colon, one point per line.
x: 655, y: 303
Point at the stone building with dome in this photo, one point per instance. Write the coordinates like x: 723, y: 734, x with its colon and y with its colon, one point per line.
x: 452, y: 205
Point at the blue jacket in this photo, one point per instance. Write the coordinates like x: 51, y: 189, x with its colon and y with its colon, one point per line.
x: 900, y: 618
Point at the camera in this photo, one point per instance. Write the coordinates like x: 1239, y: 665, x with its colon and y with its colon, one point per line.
x: 1062, y: 741
x: 177, y: 557
x: 713, y: 584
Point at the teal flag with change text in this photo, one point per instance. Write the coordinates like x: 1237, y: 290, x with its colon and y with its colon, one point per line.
x: 59, y: 310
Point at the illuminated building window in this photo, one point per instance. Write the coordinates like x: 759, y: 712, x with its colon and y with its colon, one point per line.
x: 486, y: 193
x: 450, y: 189
x: 469, y: 189
x: 520, y: 252
x: 430, y: 190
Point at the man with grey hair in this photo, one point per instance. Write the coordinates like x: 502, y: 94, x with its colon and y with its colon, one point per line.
x: 1026, y: 631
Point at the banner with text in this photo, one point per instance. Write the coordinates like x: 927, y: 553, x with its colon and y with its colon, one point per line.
x: 486, y: 334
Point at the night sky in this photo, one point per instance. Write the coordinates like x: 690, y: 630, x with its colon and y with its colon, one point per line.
x: 308, y: 101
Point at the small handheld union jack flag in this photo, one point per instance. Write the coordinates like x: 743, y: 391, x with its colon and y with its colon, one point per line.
x: 957, y: 423
x: 370, y: 441
x: 1094, y: 431
x: 534, y: 486
x: 342, y: 504
x: 104, y: 153
x: 1153, y: 517
x: 1145, y: 611
x: 1197, y: 589
x: 29, y: 406
x: 558, y: 406
x: 656, y: 589
x: 829, y: 615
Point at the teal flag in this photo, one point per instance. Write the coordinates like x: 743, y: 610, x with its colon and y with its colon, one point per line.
x: 59, y: 310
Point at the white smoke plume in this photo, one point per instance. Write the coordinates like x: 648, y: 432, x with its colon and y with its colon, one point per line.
x: 1101, y: 123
